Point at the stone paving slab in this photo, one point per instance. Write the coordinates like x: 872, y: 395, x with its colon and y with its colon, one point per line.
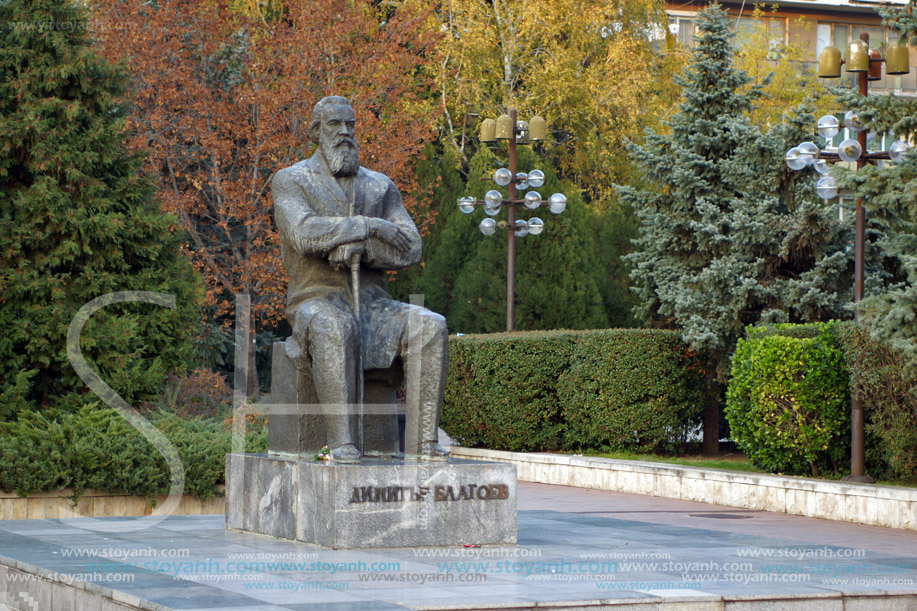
x: 577, y: 549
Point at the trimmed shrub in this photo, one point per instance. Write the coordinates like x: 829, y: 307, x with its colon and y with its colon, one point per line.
x: 788, y: 400
x: 618, y: 389
x: 96, y: 448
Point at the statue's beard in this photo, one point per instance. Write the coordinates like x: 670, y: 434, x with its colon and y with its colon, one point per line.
x: 343, y: 157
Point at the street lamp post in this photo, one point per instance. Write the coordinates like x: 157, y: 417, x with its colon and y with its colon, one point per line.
x: 867, y: 64
x: 506, y: 127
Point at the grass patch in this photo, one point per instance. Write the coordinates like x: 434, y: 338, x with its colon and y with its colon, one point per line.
x: 732, y: 461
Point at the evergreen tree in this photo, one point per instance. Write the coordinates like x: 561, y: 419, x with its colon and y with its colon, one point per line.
x: 890, y: 196
x: 557, y: 273
x: 728, y: 235
x: 438, y: 172
x: 458, y: 236
x: 77, y: 221
x: 614, y: 228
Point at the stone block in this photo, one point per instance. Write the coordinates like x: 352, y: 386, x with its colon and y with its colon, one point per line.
x: 693, y: 489
x: 295, y: 424
x: 795, y: 603
x: 38, y: 594
x: 909, y: 519
x: 63, y: 598
x: 234, y: 505
x: 87, y: 601
x: 885, y: 603
x: 4, y: 580
x: 736, y: 494
x: 19, y: 509
x: 296, y: 428
x: 16, y: 588
x: 810, y: 504
x: 714, y: 491
x: 687, y: 604
x: 794, y: 500
x: 275, y: 505
x: 379, y: 503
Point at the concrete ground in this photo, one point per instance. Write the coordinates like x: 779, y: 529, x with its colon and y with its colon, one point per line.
x: 576, y: 548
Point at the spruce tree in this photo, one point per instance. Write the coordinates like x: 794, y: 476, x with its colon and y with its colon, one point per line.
x: 728, y: 235
x: 890, y: 196
x: 77, y: 221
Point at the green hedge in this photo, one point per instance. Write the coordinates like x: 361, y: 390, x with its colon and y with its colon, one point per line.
x: 95, y: 448
x: 788, y: 403
x: 615, y: 389
x: 888, y: 389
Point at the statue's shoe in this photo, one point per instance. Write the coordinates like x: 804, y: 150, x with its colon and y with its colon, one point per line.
x: 347, y: 454
x: 430, y: 450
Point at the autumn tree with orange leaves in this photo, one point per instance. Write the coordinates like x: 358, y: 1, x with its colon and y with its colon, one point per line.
x: 222, y: 101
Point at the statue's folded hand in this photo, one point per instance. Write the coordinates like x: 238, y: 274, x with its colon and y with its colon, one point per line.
x: 342, y: 255
x: 390, y: 233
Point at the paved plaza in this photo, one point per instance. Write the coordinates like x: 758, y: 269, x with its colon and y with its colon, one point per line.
x: 577, y: 548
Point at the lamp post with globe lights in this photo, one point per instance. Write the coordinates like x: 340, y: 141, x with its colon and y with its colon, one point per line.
x: 867, y: 64
x: 506, y: 127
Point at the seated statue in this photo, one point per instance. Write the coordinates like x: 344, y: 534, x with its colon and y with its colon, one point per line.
x: 341, y: 228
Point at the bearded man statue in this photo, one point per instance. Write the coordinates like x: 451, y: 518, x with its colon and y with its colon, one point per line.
x: 331, y: 212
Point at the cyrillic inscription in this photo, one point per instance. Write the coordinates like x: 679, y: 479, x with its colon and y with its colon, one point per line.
x: 406, y: 494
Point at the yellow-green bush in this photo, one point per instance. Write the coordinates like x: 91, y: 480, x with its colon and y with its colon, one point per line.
x: 788, y: 401
x: 633, y: 389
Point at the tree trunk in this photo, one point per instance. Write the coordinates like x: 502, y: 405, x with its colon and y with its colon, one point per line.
x: 711, y: 445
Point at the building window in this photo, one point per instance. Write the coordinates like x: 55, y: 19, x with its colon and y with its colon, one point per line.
x: 776, y: 31
x: 683, y: 29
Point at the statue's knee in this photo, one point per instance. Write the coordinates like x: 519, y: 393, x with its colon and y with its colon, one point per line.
x: 434, y: 328
x: 332, y: 326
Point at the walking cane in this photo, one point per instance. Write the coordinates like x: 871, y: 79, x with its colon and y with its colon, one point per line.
x: 355, y: 286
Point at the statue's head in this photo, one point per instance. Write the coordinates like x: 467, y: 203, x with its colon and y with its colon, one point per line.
x: 332, y: 129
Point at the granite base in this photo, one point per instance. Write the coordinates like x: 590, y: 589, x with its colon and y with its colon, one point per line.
x: 379, y: 503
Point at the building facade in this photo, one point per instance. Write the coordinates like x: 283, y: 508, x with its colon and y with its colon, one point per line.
x: 814, y: 24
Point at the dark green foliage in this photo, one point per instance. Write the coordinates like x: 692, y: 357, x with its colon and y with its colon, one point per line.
x: 882, y: 378
x: 788, y: 401
x: 570, y: 390
x: 615, y: 227
x: 631, y: 389
x: 456, y: 235
x: 438, y: 169
x: 95, y: 448
x: 77, y: 221
x: 557, y: 274
x: 728, y: 236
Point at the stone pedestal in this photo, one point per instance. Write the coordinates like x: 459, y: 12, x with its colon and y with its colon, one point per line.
x: 379, y: 503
